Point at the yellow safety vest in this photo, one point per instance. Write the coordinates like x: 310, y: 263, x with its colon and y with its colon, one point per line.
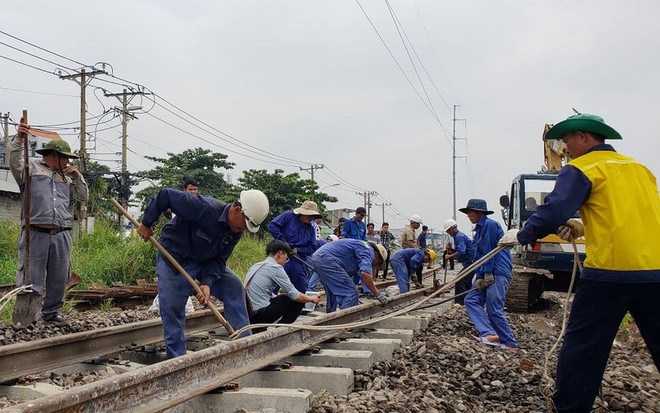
x: 622, y: 214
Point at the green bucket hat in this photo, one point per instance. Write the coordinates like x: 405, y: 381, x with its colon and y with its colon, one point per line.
x: 585, y: 123
x: 57, y: 145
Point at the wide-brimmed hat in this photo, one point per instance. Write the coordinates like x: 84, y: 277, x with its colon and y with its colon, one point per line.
x: 57, y: 145
x: 582, y: 122
x: 476, y: 205
x: 308, y: 208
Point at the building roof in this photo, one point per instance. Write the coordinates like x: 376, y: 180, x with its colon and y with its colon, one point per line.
x: 44, y: 133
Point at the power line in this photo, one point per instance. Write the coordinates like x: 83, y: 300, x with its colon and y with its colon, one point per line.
x: 38, y: 93
x: 270, y: 154
x: 393, y: 57
x: 397, y: 24
x: 213, y: 143
x: 41, y: 48
x: 33, y: 55
x: 420, y: 60
x: 27, y: 65
x: 404, y: 73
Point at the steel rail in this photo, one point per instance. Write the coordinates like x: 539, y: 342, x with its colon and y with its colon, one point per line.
x: 171, y: 382
x: 20, y: 359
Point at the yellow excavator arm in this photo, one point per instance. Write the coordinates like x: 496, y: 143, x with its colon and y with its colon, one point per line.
x: 554, y: 153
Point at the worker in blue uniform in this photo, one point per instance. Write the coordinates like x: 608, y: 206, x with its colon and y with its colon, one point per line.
x: 464, y: 252
x: 295, y: 228
x: 355, y: 227
x: 407, y: 262
x: 337, y: 262
x: 491, y: 280
x: 618, y: 202
x: 201, y: 237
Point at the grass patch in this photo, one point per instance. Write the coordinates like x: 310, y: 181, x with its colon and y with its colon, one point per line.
x: 247, y: 252
x: 104, y: 256
x: 8, y: 251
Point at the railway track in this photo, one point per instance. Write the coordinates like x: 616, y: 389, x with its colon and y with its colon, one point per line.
x: 166, y: 384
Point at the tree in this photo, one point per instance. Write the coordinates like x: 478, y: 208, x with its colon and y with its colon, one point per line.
x: 283, y: 189
x: 103, y: 185
x: 200, y: 164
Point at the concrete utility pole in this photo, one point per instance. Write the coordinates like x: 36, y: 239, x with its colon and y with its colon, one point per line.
x: 383, y: 205
x: 85, y: 78
x: 454, y: 161
x: 125, y: 117
x: 367, y: 202
x: 312, y: 168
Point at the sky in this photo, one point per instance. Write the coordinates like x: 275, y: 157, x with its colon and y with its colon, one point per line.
x: 296, y: 83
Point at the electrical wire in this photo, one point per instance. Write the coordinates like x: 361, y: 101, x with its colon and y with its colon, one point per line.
x: 33, y: 55
x: 267, y: 153
x: 38, y: 93
x: 399, y: 29
x: 41, y: 48
x: 420, y: 60
x: 26, y: 64
x: 215, y: 144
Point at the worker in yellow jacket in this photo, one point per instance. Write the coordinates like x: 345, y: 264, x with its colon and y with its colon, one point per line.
x: 619, y: 205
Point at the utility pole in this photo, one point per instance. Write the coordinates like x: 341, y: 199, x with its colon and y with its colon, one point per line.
x: 126, y: 116
x: 367, y: 202
x: 312, y: 168
x: 85, y: 78
x: 454, y: 161
x: 383, y: 205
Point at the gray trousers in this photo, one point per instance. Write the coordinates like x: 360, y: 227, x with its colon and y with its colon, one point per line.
x: 50, y: 258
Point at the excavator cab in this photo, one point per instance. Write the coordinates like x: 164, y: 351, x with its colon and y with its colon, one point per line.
x: 548, y: 263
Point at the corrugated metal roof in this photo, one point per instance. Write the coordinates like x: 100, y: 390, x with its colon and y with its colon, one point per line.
x: 44, y: 133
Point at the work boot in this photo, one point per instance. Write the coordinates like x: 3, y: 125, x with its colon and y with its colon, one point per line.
x: 55, y: 318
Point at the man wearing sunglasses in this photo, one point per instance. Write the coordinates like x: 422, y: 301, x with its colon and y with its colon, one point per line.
x: 201, y: 237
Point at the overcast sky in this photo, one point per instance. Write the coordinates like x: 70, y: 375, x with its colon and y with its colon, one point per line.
x: 312, y: 82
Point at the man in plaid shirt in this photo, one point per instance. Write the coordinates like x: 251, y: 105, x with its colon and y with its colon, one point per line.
x: 386, y: 238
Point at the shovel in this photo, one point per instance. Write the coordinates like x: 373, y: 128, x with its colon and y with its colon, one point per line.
x: 28, y: 303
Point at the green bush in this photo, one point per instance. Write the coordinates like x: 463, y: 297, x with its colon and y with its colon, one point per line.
x: 105, y: 256
x: 8, y: 251
x: 248, y: 251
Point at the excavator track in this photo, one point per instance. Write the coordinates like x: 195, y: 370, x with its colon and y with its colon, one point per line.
x: 525, y: 289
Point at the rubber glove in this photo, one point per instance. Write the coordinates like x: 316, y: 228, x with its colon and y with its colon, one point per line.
x: 382, y: 298
x: 509, y: 239
x: 572, y: 229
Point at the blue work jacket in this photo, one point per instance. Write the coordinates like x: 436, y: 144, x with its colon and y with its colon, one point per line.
x: 199, y: 232
x: 464, y: 247
x: 286, y: 227
x: 355, y: 229
x: 354, y: 256
x: 412, y: 257
x: 487, y: 233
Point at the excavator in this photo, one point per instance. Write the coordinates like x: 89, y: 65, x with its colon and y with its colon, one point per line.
x: 548, y: 264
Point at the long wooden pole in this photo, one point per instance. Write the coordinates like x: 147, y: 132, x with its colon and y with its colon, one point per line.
x: 27, y: 276
x: 175, y: 264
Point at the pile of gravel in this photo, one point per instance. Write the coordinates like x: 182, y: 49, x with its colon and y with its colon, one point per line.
x: 76, y: 322
x: 445, y: 369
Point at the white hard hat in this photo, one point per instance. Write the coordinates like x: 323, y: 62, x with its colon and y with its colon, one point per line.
x: 416, y: 218
x: 255, y: 207
x: 332, y: 237
x: 449, y: 223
